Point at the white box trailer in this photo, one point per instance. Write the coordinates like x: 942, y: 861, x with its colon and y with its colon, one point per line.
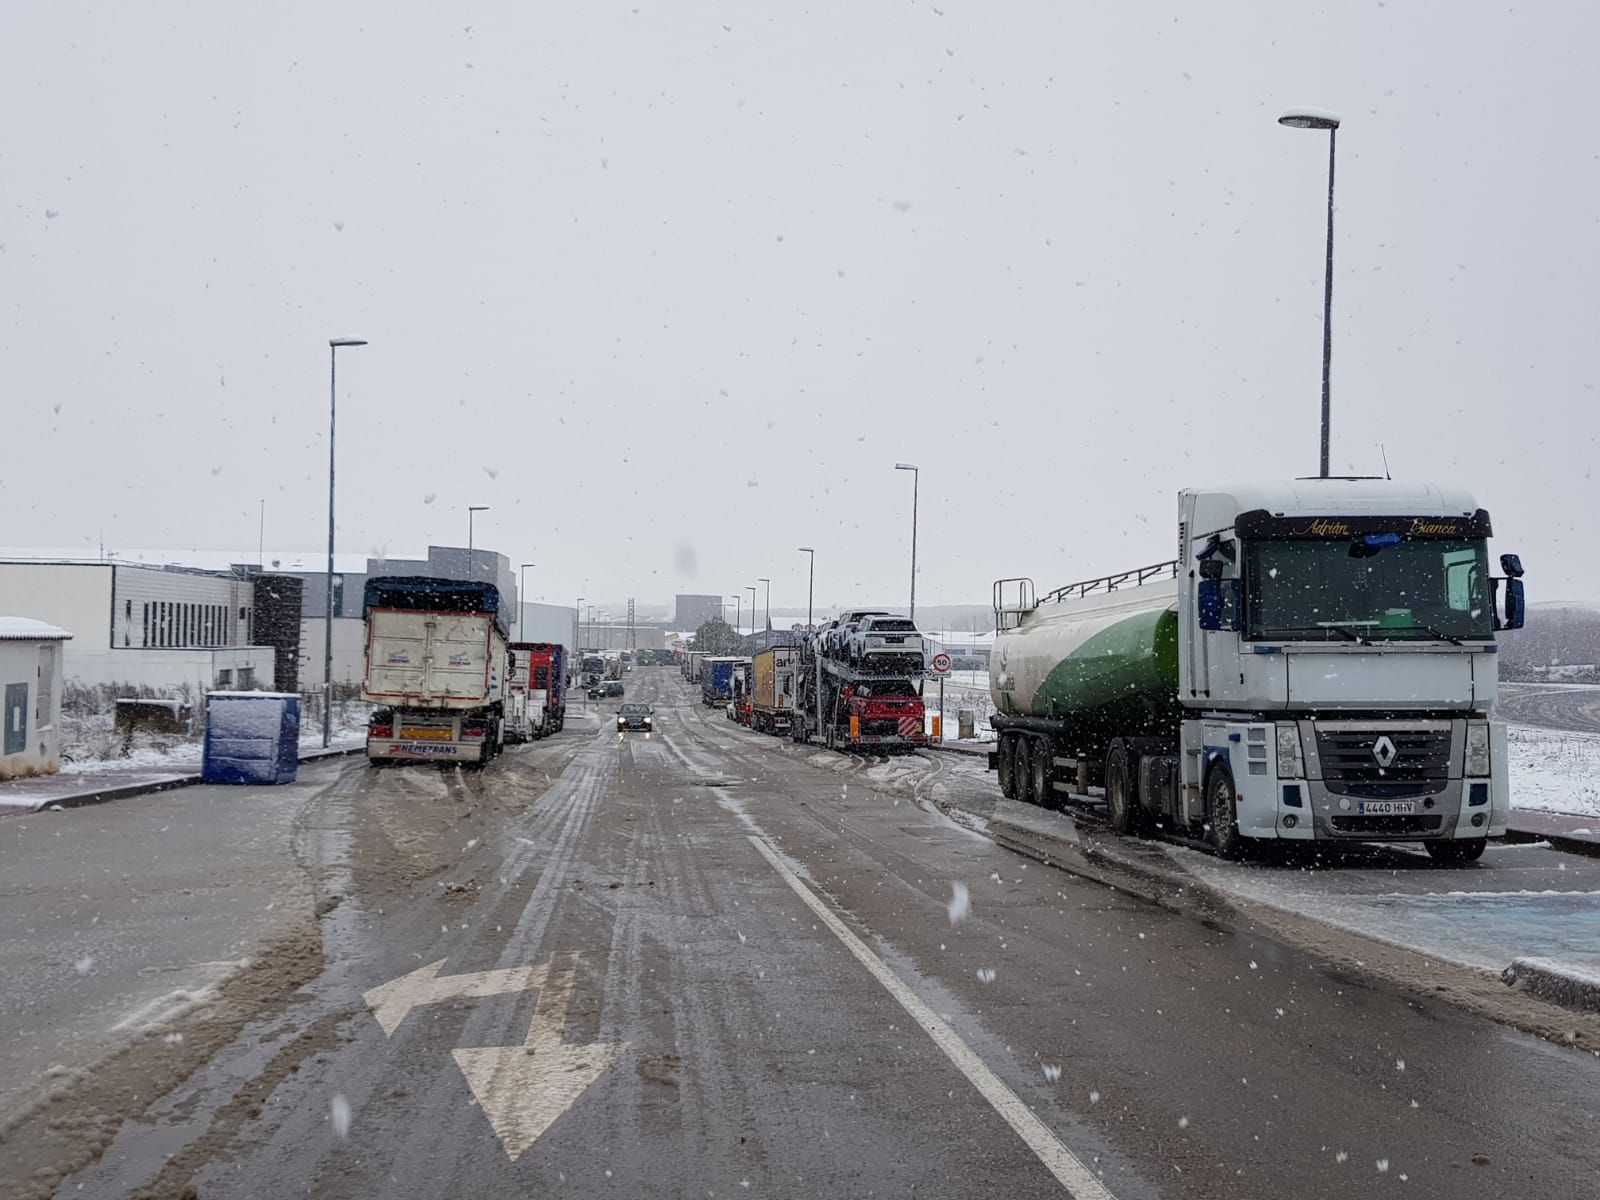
x: 437, y: 667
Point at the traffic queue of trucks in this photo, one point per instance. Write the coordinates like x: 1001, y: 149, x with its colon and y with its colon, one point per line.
x: 446, y: 683
x: 1318, y: 664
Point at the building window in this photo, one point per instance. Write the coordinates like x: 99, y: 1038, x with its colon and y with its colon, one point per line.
x: 338, y: 595
x: 145, y: 607
x: 225, y: 678
x: 247, y: 678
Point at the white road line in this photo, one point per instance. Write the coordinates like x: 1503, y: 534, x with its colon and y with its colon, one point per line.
x: 1080, y: 1182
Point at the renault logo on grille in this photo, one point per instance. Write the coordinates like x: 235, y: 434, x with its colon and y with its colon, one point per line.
x: 1383, y: 750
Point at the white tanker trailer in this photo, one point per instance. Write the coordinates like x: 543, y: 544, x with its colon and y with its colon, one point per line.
x: 1317, y: 665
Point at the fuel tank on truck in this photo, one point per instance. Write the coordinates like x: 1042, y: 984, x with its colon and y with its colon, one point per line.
x: 1107, y: 661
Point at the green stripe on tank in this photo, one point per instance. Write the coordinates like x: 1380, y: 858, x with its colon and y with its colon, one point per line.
x: 1134, y: 662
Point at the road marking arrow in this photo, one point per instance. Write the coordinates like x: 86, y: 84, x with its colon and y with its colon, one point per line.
x: 524, y: 1089
x: 393, y: 1000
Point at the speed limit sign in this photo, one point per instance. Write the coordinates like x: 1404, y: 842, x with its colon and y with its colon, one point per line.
x: 940, y: 664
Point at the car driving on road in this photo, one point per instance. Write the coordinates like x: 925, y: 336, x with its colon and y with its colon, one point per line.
x: 635, y: 716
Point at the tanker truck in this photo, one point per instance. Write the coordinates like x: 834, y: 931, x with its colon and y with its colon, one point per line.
x: 1317, y: 665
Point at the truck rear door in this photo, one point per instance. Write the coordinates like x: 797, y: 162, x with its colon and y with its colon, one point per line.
x: 426, y: 656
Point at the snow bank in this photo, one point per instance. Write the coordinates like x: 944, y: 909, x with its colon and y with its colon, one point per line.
x: 1554, y: 770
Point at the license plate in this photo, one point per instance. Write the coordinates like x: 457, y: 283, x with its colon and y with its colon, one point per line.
x: 418, y: 734
x: 1386, y: 808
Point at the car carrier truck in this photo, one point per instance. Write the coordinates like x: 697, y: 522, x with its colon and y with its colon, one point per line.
x: 1317, y: 665
x: 437, y: 665
x: 849, y: 700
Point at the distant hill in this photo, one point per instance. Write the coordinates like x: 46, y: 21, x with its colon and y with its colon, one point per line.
x: 1561, y: 643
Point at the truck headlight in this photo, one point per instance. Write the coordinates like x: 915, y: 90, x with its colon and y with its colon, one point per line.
x: 1477, y: 749
x: 1290, y: 764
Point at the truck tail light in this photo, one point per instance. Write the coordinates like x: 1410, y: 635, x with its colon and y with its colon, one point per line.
x: 380, y: 731
x: 1477, y: 749
x: 472, y: 733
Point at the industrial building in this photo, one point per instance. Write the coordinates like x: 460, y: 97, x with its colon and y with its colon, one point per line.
x: 163, y: 628
x: 694, y: 611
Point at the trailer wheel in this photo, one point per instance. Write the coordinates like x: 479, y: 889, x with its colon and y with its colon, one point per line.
x: 1008, y: 765
x: 1452, y: 853
x: 1023, y: 771
x: 1224, y: 827
x: 1041, y: 772
x: 1121, y: 804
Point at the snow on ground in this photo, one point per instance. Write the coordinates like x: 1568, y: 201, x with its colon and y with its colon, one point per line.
x: 1554, y: 770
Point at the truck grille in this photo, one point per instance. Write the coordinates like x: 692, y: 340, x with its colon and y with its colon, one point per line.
x: 1370, y: 825
x: 1354, y: 764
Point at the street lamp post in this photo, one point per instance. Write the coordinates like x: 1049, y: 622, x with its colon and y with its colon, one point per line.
x: 738, y: 613
x: 768, y: 582
x: 916, y: 480
x: 752, y: 590
x: 577, y: 627
x: 472, y: 570
x: 1314, y: 119
x: 522, y: 590
x: 327, y: 630
x: 811, y: 580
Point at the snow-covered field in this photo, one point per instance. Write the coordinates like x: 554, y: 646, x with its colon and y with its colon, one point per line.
x: 1554, y: 770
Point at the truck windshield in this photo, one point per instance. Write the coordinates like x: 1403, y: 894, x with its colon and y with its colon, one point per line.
x: 1320, y: 591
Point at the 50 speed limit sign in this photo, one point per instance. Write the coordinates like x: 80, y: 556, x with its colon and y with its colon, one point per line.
x: 940, y: 663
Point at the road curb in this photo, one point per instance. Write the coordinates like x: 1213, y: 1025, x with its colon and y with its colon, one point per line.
x: 164, y: 784
x: 1560, y: 983
x: 1567, y: 845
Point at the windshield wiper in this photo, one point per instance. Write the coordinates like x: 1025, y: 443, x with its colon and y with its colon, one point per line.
x: 1339, y: 629
x: 1441, y: 634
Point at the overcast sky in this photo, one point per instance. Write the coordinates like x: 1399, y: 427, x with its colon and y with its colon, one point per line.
x: 672, y: 287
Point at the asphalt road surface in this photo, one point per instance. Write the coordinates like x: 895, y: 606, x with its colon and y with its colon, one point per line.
x: 697, y: 964
x: 1574, y: 707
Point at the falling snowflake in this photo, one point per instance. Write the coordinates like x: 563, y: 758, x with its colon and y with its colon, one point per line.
x: 1094, y: 1097
x: 985, y: 974
x: 339, y: 1114
x: 84, y: 965
x: 1383, y: 1166
x: 1399, y: 1064
x: 1342, y: 1156
x: 1052, y: 1074
x: 960, y: 903
x: 1183, y: 1122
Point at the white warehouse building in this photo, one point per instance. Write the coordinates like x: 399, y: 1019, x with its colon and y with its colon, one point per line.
x: 158, y: 627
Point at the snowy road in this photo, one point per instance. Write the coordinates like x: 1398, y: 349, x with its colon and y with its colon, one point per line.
x: 705, y: 963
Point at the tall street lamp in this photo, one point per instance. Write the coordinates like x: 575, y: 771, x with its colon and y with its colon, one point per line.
x: 752, y: 590
x: 472, y: 509
x: 577, y: 627
x: 768, y: 582
x: 327, y: 630
x: 522, y: 592
x: 811, y: 581
x: 1310, y: 118
x: 916, y: 480
x: 738, y: 613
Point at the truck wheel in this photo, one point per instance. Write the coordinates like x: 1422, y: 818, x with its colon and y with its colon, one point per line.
x: 1008, y: 765
x: 1223, y: 827
x: 1122, y: 806
x: 1041, y: 772
x: 1448, y: 853
x: 1024, y: 770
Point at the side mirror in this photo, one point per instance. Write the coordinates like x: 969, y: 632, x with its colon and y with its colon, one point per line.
x: 1211, y: 569
x: 1217, y: 604
x: 1516, y: 605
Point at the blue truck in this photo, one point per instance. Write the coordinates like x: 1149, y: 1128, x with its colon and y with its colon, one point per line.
x: 716, y: 679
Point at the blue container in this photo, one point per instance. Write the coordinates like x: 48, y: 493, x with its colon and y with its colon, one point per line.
x: 251, y: 737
